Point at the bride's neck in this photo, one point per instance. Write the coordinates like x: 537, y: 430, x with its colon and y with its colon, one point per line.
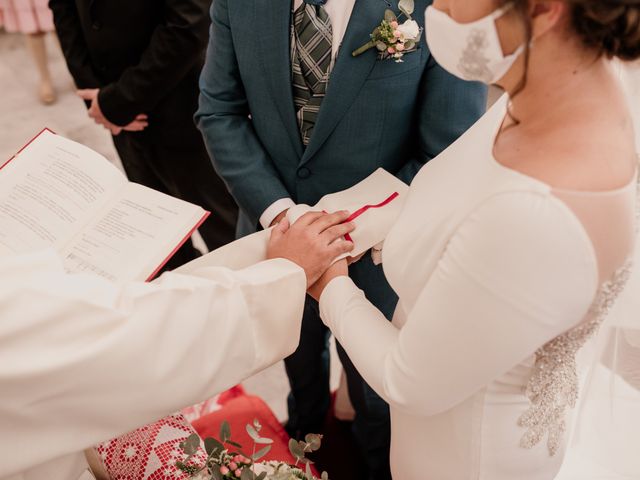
x: 559, y: 74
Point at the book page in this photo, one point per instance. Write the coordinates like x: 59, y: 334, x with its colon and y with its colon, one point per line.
x: 50, y: 190
x: 133, y: 235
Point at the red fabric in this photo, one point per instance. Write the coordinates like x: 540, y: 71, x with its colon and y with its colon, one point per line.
x: 241, y: 411
x: 213, y: 404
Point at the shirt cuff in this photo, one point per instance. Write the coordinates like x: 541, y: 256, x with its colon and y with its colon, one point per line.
x: 275, y: 209
x: 334, y: 299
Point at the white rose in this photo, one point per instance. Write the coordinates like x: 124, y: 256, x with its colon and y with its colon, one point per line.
x: 410, y: 29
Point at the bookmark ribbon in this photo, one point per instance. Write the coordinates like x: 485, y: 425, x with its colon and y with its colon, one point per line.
x: 360, y: 211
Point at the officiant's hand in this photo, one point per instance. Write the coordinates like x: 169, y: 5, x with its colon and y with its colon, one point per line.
x: 313, y: 242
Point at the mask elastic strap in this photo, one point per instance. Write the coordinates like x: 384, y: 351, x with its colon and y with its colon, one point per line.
x: 502, y: 10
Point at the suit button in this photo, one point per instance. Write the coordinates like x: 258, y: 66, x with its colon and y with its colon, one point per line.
x: 304, y: 172
x: 97, y: 25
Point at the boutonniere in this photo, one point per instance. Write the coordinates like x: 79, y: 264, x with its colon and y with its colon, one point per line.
x: 391, y: 38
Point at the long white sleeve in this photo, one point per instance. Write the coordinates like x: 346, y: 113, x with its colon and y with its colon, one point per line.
x: 83, y: 360
x: 518, y: 271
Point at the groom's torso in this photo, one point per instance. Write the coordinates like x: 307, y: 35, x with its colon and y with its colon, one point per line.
x: 366, y: 119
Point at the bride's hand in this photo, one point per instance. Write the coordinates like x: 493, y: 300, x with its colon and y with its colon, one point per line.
x: 313, y: 242
x: 338, y: 269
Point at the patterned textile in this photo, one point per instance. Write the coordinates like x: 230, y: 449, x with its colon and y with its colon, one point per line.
x: 150, y: 452
x: 311, y: 36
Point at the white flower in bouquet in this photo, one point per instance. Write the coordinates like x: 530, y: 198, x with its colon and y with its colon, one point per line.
x: 279, y: 471
x: 410, y: 30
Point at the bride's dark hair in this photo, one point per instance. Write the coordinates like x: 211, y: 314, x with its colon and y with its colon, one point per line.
x: 609, y: 27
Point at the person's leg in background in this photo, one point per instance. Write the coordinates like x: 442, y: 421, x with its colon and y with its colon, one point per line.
x: 308, y: 372
x: 371, y: 426
x: 38, y: 48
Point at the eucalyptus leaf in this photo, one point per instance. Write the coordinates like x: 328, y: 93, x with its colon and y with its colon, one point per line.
x: 409, y: 45
x: 389, y: 16
x: 381, y: 46
x: 190, y: 445
x: 212, y: 446
x: 261, y: 453
x: 296, y: 450
x: 253, y: 433
x: 308, y: 472
x: 257, y: 425
x: 247, y: 474
x: 314, y: 441
x: 262, y: 476
x: 235, y: 444
x: 225, y: 432
x: 407, y: 7
x: 324, y: 476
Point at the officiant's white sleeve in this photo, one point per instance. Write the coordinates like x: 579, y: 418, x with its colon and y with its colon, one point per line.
x: 518, y: 271
x: 83, y: 360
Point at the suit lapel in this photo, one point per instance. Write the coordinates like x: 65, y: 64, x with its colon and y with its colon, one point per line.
x: 349, y: 73
x: 273, y: 24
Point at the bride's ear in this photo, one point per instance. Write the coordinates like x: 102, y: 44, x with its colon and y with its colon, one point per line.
x: 547, y: 15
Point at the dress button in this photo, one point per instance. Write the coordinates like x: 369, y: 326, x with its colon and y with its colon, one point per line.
x: 304, y: 172
x: 97, y: 25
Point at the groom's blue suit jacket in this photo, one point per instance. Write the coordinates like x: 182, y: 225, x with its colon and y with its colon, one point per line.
x: 377, y: 113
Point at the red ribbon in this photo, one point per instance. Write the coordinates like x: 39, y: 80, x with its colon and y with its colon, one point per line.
x: 360, y: 211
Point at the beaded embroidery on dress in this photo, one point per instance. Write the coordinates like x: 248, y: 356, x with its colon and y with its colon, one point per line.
x: 554, y: 383
x: 553, y: 386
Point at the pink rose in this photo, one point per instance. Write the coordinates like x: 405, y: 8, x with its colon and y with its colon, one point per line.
x: 397, y: 33
x: 391, y: 50
x: 400, y: 47
x: 233, y: 466
x: 238, y: 473
x: 394, y: 24
x: 224, y: 470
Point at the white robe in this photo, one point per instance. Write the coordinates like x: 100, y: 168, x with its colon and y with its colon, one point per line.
x: 83, y: 360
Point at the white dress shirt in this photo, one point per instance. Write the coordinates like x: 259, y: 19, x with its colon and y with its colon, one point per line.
x: 339, y: 12
x: 83, y: 360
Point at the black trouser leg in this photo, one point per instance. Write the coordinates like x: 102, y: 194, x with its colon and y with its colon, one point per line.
x: 308, y: 372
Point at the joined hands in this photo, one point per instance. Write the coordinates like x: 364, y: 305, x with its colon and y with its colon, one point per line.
x: 91, y: 95
x: 314, y: 242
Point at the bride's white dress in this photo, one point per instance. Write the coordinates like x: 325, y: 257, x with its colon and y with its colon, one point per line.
x: 501, y: 280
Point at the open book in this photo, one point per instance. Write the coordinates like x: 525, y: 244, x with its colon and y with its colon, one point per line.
x: 58, y: 193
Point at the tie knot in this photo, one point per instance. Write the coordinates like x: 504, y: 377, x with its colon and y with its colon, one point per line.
x: 317, y: 3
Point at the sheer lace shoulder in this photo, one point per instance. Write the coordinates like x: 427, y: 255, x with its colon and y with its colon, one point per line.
x: 608, y: 219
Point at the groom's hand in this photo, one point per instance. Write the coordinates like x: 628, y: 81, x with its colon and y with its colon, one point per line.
x: 279, y: 218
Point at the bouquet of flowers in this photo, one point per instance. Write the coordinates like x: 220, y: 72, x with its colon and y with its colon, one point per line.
x: 226, y: 460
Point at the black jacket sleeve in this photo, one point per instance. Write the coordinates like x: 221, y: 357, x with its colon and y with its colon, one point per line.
x: 175, y: 47
x: 74, y: 48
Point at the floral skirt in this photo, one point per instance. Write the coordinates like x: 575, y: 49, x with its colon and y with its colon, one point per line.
x: 26, y: 16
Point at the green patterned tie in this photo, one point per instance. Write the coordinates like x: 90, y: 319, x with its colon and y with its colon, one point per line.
x: 311, y: 62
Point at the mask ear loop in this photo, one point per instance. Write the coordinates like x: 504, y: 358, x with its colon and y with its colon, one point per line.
x: 502, y: 11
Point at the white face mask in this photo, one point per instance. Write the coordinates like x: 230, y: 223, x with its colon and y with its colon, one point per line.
x: 470, y: 51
